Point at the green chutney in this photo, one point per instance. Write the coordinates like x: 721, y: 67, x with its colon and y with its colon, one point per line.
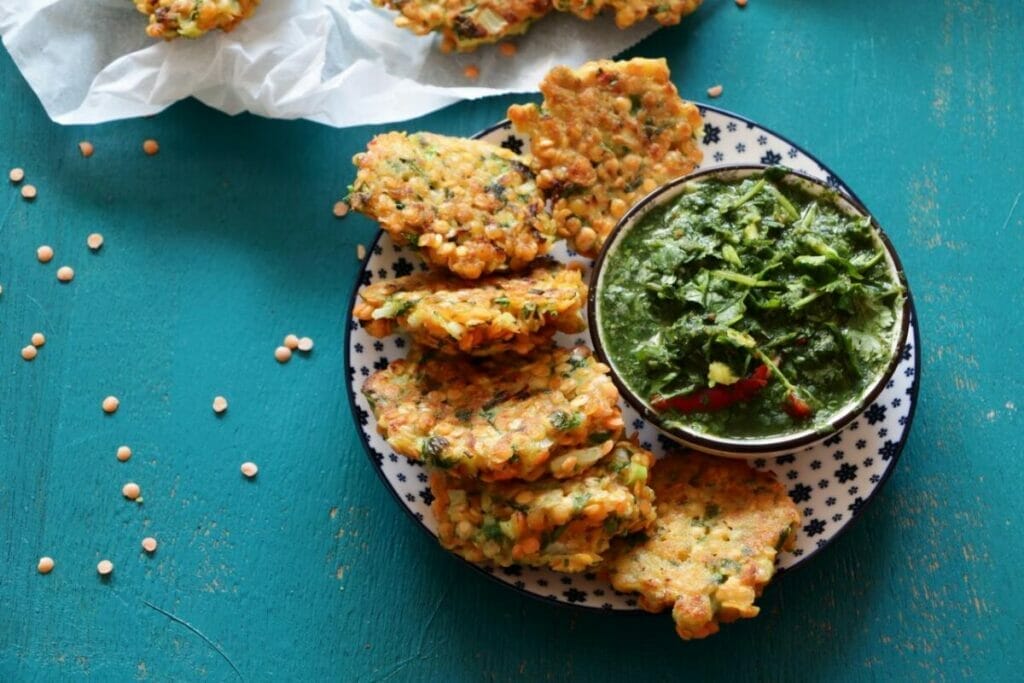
x: 749, y: 309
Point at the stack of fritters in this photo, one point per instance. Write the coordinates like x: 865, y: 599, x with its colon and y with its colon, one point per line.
x: 524, y: 439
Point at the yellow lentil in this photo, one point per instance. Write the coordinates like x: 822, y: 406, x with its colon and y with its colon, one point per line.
x: 305, y: 345
x: 105, y: 567
x: 44, y: 253
x: 715, y: 91
x: 29, y: 352
x: 65, y: 273
x: 340, y: 209
x: 111, y: 404
x: 150, y: 147
x: 220, y: 404
x: 123, y: 453
x: 38, y: 339
x: 16, y: 175
x: 249, y: 469
x: 86, y: 148
x: 149, y: 544
x: 283, y: 354
x: 45, y: 565
x: 29, y: 192
x: 131, y: 490
x: 291, y: 341
x: 94, y: 241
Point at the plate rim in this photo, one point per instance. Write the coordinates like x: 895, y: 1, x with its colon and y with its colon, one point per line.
x: 368, y: 449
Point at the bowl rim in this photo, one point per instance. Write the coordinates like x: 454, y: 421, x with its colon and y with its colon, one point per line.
x: 750, y: 447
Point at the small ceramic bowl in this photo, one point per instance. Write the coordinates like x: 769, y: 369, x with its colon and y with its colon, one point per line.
x: 749, y: 447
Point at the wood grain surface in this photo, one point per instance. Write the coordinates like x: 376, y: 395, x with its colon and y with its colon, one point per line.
x: 224, y: 242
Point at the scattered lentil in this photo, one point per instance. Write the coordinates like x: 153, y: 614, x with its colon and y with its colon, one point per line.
x: 150, y: 147
x: 86, y: 148
x: 29, y: 352
x: 44, y: 253
x: 741, y: 3
x: 29, y: 192
x: 220, y: 404
x: 131, y: 491
x: 305, y: 345
x: 105, y: 567
x: 340, y: 209
x: 360, y: 252
x: 149, y: 544
x: 65, y: 273
x: 45, y: 565
x: 471, y: 72
x: 291, y: 341
x: 249, y: 469
x: 283, y: 354
x: 38, y: 339
x: 111, y: 404
x: 715, y: 91
x: 95, y: 241
x: 16, y: 175
x: 123, y: 453
x: 508, y: 49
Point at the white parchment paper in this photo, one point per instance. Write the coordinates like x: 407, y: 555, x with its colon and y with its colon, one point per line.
x: 339, y: 62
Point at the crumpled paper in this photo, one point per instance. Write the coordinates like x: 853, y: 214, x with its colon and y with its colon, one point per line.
x: 338, y: 62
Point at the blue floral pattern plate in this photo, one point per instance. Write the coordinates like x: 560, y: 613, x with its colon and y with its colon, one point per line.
x: 830, y: 481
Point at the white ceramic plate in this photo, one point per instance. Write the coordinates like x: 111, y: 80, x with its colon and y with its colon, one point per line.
x: 831, y: 481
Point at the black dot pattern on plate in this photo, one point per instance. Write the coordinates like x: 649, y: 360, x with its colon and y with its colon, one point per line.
x: 831, y: 481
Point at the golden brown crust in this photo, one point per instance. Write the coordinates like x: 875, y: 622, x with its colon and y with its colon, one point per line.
x: 491, y: 315
x: 466, y: 205
x: 496, y: 419
x: 712, y: 549
x: 608, y: 133
x: 629, y: 12
x: 466, y: 24
x: 169, y: 19
x: 564, y: 524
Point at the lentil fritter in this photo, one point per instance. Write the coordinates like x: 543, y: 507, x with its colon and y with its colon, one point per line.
x: 467, y: 24
x: 712, y: 549
x: 466, y: 205
x: 483, y: 317
x: 494, y: 418
x: 607, y: 134
x: 629, y: 12
x: 564, y: 524
x: 169, y: 19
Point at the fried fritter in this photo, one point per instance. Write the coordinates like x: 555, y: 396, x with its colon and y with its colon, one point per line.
x: 608, y: 133
x: 192, y: 18
x: 712, y: 549
x: 494, y: 418
x: 564, y: 524
x: 466, y: 24
x: 629, y: 12
x: 483, y: 317
x: 467, y: 205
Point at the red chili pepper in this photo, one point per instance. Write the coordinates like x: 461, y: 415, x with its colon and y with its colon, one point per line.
x: 718, y: 397
x: 797, y: 408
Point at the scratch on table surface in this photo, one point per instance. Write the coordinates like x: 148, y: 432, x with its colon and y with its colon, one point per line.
x: 199, y: 633
x: 1012, y: 209
x: 46, y: 318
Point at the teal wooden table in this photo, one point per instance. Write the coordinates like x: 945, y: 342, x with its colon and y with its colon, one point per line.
x: 224, y: 242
